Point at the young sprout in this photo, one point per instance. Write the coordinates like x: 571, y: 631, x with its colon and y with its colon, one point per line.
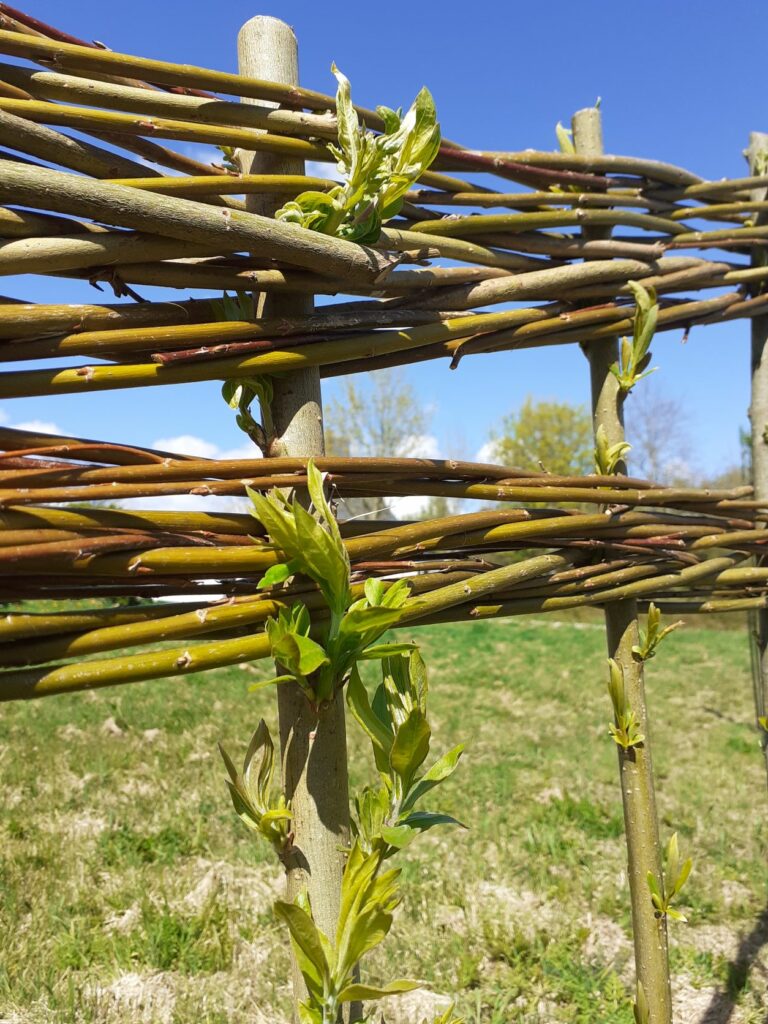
x: 675, y: 875
x: 653, y: 634
x: 634, y: 355
x: 640, y: 1009
x: 449, y: 1017
x: 378, y: 169
x: 608, y: 456
x: 251, y: 790
x: 623, y: 729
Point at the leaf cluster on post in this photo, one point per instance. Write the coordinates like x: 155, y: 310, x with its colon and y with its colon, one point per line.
x: 312, y: 543
x: 664, y: 890
x: 634, y: 355
x: 651, y: 637
x: 240, y: 393
x: 624, y: 728
x: 397, y: 726
x: 608, y: 457
x: 378, y: 169
x: 261, y: 809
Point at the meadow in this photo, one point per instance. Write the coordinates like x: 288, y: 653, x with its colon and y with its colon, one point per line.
x: 131, y: 893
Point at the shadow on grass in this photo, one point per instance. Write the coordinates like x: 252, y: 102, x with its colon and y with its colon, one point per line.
x: 723, y: 1003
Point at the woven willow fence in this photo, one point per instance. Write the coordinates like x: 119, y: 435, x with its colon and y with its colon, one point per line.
x: 550, y: 254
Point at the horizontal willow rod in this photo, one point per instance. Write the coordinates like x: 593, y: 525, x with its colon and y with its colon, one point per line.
x: 207, y: 275
x: 29, y: 683
x: 94, y: 93
x: 654, y: 170
x: 74, y: 252
x: 25, y: 224
x: 523, y: 200
x: 552, y: 282
x: 189, y: 221
x: 98, y: 378
x: 272, y: 184
x: 81, y: 58
x: 39, y: 141
x: 33, y: 320
x: 104, y: 343
x: 163, y: 128
x: 479, y: 224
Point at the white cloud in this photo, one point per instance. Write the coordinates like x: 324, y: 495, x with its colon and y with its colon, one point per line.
x: 187, y: 444
x: 420, y: 446
x: 39, y: 426
x: 488, y: 453
x: 36, y: 426
x: 198, y: 447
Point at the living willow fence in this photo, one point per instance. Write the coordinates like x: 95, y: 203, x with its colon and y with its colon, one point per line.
x: 577, y: 245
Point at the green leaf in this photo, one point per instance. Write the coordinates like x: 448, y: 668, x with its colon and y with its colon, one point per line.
x: 359, y: 993
x: 656, y: 895
x: 564, y: 139
x: 278, y: 574
x: 374, y: 590
x: 304, y: 934
x: 682, y: 877
x: 641, y: 1010
x: 398, y: 836
x: 425, y: 820
x: 386, y: 651
x: 411, y: 746
x: 348, y: 125
x: 440, y: 770
x: 359, y: 705
x: 262, y: 684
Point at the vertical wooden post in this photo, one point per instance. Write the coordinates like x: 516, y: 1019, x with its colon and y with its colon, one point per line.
x: 635, y: 766
x: 313, y: 746
x: 757, y: 155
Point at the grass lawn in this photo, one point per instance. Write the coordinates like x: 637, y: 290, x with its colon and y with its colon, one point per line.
x: 130, y: 892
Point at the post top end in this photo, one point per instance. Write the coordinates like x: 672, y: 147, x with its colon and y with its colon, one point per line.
x: 266, y: 25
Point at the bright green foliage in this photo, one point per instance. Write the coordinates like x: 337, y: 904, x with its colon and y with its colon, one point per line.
x: 396, y: 724
x: 763, y: 722
x: 640, y: 1009
x: 554, y: 435
x: 664, y: 890
x: 608, y: 456
x: 256, y: 804
x: 378, y: 169
x: 368, y: 900
x: 624, y: 728
x: 241, y: 393
x: 634, y: 355
x: 564, y: 138
x: 313, y: 545
x: 653, y: 634
x: 448, y: 1017
x: 229, y: 160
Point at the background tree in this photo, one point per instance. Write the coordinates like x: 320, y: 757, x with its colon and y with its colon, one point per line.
x: 554, y: 436
x: 657, y: 429
x: 380, y: 418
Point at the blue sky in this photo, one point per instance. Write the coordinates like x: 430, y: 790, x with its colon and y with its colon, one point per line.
x: 679, y: 82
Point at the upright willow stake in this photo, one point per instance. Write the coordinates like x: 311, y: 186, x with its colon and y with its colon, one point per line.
x: 757, y: 154
x: 635, y: 767
x: 312, y: 740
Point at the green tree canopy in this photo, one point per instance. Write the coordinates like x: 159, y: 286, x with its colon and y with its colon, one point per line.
x: 554, y: 436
